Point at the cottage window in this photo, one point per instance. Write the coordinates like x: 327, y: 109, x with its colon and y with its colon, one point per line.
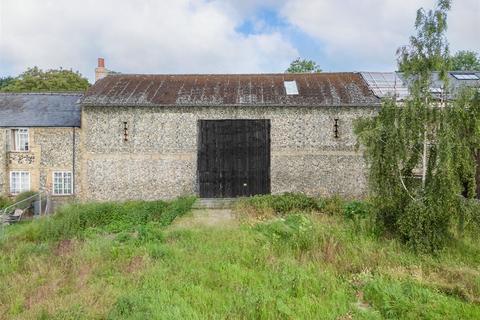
x: 19, y: 182
x: 62, y: 183
x: 20, y: 139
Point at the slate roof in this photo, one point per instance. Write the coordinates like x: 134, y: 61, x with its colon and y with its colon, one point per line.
x: 314, y: 90
x: 385, y: 84
x: 40, y: 109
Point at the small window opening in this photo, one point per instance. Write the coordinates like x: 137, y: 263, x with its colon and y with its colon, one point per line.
x: 335, y: 128
x: 291, y: 87
x: 125, y: 131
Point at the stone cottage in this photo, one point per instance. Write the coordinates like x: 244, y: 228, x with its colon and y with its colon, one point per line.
x: 39, y: 143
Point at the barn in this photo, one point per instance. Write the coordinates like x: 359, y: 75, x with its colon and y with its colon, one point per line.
x: 223, y: 136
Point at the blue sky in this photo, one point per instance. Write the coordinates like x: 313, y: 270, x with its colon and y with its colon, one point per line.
x: 216, y: 36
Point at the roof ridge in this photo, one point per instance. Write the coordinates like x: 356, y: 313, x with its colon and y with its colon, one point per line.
x: 232, y: 74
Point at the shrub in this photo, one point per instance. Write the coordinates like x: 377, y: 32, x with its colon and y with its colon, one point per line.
x: 356, y: 210
x: 284, y: 203
x: 424, y: 228
x: 332, y: 206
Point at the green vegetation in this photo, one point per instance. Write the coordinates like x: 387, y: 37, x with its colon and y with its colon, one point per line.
x: 35, y: 80
x: 4, y: 202
x: 308, y: 259
x: 5, y: 81
x: 465, y: 61
x: 303, y: 66
x: 422, y: 158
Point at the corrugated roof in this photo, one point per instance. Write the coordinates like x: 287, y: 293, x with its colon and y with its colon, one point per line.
x: 40, y: 109
x: 385, y: 84
x: 314, y: 89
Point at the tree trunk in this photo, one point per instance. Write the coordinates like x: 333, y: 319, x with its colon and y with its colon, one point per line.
x: 478, y: 174
x: 424, y: 159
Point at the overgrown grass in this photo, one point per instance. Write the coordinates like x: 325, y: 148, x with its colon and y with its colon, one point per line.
x: 301, y: 263
x: 79, y: 220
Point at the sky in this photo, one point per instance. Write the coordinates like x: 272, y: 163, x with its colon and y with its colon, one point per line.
x: 214, y: 36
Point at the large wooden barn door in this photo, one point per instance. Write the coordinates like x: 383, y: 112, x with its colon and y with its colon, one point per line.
x: 233, y: 158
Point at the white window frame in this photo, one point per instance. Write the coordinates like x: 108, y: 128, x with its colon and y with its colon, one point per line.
x: 291, y: 87
x: 21, y: 139
x: 22, y: 187
x: 59, y: 187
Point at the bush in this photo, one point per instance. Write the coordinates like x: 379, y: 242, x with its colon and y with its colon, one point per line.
x: 356, y: 210
x: 284, y: 203
x: 332, y: 206
x: 424, y: 228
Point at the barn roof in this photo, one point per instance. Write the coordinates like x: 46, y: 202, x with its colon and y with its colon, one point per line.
x: 314, y: 89
x: 40, y: 109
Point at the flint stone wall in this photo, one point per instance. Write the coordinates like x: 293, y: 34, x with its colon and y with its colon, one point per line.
x: 50, y: 149
x: 159, y: 158
x: 3, y: 162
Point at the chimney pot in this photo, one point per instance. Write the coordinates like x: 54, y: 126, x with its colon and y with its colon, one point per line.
x: 101, y: 63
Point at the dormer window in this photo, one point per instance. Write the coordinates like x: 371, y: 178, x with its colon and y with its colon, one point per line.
x: 291, y: 87
x: 20, y: 138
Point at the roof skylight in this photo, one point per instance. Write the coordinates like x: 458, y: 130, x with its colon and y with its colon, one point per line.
x: 465, y: 76
x: 291, y: 87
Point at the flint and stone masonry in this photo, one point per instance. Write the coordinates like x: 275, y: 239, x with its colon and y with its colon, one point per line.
x: 159, y: 159
x: 137, y: 136
x: 3, y: 163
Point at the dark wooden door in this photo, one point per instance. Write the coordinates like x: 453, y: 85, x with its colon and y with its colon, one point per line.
x: 233, y: 158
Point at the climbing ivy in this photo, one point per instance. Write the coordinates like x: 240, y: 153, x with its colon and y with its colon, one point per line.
x: 421, y: 151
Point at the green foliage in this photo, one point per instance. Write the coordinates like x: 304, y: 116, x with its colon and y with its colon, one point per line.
x: 295, y: 231
x: 303, y: 66
x: 357, y: 210
x: 440, y: 142
x: 333, y: 205
x: 4, y: 202
x: 409, y: 300
x: 297, y: 267
x: 35, y: 79
x: 428, y: 50
x: 284, y: 203
x: 24, y: 196
x: 77, y: 220
x: 5, y: 81
x: 465, y: 61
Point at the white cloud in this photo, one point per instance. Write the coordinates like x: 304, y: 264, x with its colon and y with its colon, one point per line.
x: 368, y: 32
x: 143, y: 36
x: 190, y: 36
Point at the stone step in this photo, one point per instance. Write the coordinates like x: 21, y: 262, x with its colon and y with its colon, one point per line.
x: 214, y: 203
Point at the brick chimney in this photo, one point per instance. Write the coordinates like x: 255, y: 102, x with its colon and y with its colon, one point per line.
x: 100, y: 71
